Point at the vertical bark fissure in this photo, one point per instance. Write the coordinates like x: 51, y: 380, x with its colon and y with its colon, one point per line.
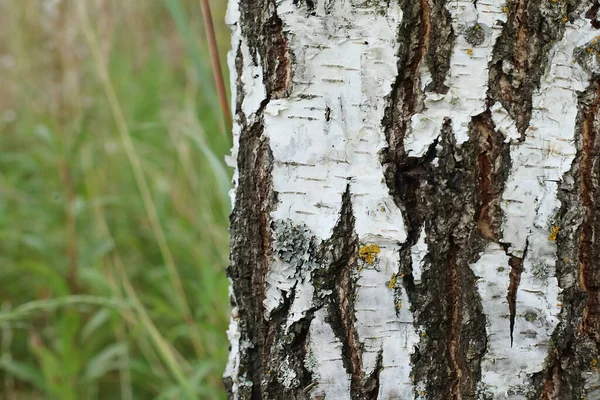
x: 250, y: 253
x: 444, y: 197
x: 454, y: 241
x: 516, y: 270
x: 263, y: 30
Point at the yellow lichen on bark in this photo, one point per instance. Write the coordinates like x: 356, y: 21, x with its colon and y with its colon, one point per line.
x: 368, y: 253
x: 553, y: 234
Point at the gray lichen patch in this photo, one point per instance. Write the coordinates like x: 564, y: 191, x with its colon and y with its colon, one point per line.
x: 286, y: 374
x: 475, y: 34
x: 530, y: 316
x: 294, y: 244
x: 294, y: 258
x: 540, y: 269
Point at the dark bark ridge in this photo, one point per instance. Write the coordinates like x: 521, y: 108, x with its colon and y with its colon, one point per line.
x: 250, y: 254
x: 454, y: 325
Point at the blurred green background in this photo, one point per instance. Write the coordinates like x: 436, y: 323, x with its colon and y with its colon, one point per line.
x: 113, y: 201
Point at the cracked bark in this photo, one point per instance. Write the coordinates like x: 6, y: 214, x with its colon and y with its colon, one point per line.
x: 365, y: 268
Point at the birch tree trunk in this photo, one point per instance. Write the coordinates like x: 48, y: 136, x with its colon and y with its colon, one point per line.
x: 415, y: 199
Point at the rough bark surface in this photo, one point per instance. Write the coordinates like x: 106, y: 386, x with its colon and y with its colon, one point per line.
x: 415, y: 202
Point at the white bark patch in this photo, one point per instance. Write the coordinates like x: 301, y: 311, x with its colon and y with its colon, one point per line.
x: 302, y: 302
x: 252, y: 78
x: 281, y: 278
x: 548, y: 149
x: 327, y: 133
x: 233, y: 362
x: 506, y: 368
x: 592, y: 384
x: 492, y: 272
x: 324, y: 360
x: 417, y: 254
x: 325, y: 136
x: 504, y: 123
x: 385, y: 323
x: 232, y: 19
x: 467, y: 79
x: 529, y: 205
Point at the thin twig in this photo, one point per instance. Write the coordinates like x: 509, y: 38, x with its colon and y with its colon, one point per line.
x: 209, y: 30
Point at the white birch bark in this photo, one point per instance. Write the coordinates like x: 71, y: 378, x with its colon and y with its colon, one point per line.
x: 363, y: 332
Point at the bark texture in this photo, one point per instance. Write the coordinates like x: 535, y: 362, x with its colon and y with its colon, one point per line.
x: 415, y: 203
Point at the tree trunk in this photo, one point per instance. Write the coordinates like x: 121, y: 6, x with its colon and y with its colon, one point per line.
x: 415, y: 199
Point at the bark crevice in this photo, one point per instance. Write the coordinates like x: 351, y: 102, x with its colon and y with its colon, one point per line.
x: 516, y: 270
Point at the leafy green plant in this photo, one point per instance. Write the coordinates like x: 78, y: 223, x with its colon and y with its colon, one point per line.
x: 114, y: 205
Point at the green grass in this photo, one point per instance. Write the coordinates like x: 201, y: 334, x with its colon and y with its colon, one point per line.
x: 113, y: 202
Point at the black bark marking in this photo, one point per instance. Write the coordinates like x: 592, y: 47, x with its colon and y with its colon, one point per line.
x: 592, y: 15
x: 516, y: 270
x: 439, y: 42
x: 444, y: 199
x: 250, y: 252
x: 263, y: 30
x: 455, y: 316
x: 521, y: 53
x: 405, y: 99
x: 493, y: 165
x: 589, y: 236
x: 341, y: 252
x: 310, y: 4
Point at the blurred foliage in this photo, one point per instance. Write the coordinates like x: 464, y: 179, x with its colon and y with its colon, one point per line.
x: 113, y: 202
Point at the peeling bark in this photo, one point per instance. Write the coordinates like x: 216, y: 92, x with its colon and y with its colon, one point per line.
x: 415, y: 199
